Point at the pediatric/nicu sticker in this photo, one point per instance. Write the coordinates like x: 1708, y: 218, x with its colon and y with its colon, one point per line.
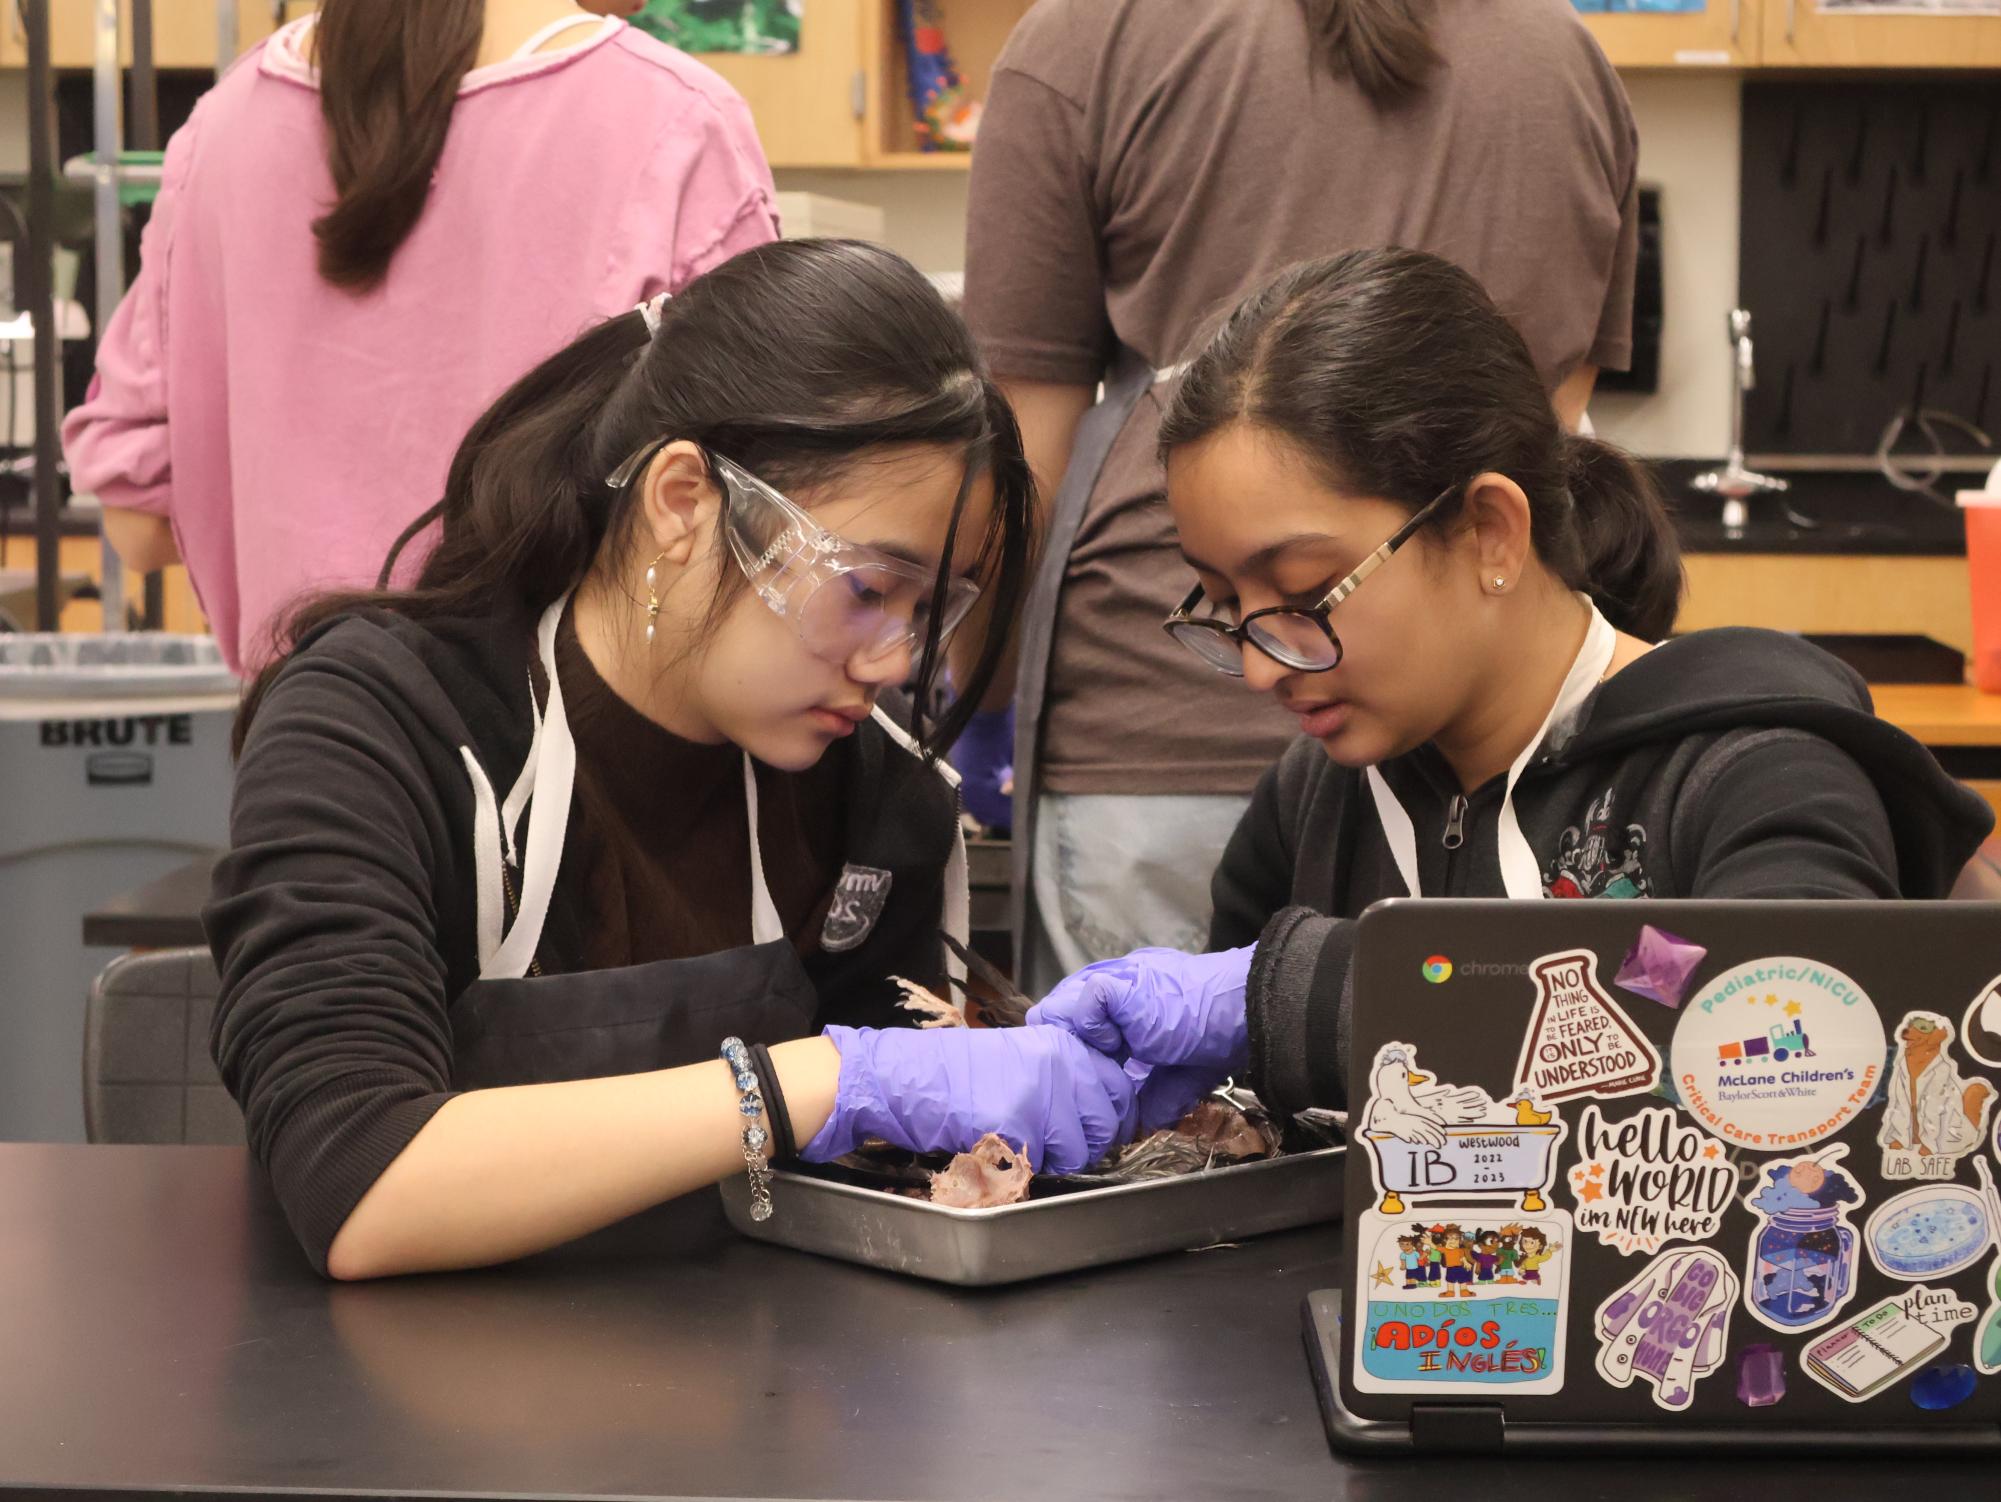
x: 1649, y: 1179
x: 1464, y: 1298
x: 1931, y: 1117
x: 1778, y: 1054
x: 1428, y: 1139
x: 1873, y: 1350
x: 1800, y: 1270
x: 1579, y: 1042
x: 1669, y: 1326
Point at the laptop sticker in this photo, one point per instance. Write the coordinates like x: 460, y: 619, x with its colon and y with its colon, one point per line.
x: 1931, y: 1117
x: 1579, y: 1042
x: 1464, y: 1298
x: 1800, y: 1271
x: 1428, y: 1139
x: 1778, y: 1054
x: 1659, y: 965
x: 1982, y: 1025
x: 1987, y: 1339
x: 1935, y: 1230
x: 1648, y: 1180
x: 1669, y: 1325
x: 1761, y: 1375
x: 1869, y: 1353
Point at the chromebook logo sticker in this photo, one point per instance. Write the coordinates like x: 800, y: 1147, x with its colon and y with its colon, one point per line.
x: 1438, y: 969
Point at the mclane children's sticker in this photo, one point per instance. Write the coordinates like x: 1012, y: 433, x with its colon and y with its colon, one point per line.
x: 1461, y: 1299
x: 1428, y: 1139
x: 1800, y: 1270
x: 1669, y: 1325
x: 1778, y: 1054
x: 1579, y: 1042
x: 1876, y: 1348
x: 1980, y: 1029
x: 1648, y: 1180
x: 1931, y: 1117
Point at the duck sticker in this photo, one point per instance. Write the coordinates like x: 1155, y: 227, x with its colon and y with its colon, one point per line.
x: 1668, y: 1326
x: 1931, y: 1117
x: 1428, y: 1139
x: 1800, y: 1270
x: 1464, y: 1298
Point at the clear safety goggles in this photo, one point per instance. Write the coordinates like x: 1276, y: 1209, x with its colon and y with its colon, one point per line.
x: 845, y: 600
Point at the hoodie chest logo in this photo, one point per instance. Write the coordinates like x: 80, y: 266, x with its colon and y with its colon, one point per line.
x: 858, y: 901
x: 1599, y: 857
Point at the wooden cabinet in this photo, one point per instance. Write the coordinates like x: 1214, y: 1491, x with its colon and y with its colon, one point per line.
x: 975, y: 31
x: 185, y: 32
x: 1725, y: 35
x: 1799, y: 34
x: 809, y: 105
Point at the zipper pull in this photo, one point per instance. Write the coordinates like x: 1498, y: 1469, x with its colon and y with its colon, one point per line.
x: 1455, y: 822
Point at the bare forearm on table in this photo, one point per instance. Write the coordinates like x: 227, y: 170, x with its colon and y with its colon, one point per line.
x: 497, y: 1174
x: 143, y: 542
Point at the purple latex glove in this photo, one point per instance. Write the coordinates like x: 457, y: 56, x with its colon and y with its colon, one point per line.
x: 1169, y: 1092
x: 1160, y: 1007
x: 942, y: 1089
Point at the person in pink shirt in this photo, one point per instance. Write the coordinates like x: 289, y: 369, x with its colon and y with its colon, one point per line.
x: 367, y: 230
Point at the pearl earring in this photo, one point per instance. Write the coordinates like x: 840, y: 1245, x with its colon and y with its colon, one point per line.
x: 652, y: 596
x: 1499, y: 582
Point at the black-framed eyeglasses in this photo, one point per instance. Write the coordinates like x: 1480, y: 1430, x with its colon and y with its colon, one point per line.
x: 1299, y: 638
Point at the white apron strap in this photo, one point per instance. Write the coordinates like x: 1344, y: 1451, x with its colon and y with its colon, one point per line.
x: 765, y: 926
x: 1521, y: 877
x: 958, y: 914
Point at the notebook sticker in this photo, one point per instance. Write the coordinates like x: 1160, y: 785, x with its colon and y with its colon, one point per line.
x: 1579, y: 1042
x: 1981, y: 1027
x: 1669, y: 1325
x: 1931, y: 1117
x: 1462, y: 1299
x: 1935, y: 1230
x: 1648, y: 1180
x: 1873, y: 1351
x: 1428, y: 1139
x: 1800, y: 1270
x: 1987, y: 1339
x: 1778, y: 1054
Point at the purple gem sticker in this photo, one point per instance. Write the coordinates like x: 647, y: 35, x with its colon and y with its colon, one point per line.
x: 1658, y: 966
x: 1761, y: 1376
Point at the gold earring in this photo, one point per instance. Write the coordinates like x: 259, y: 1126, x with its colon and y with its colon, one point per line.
x: 652, y: 596
x: 1499, y: 582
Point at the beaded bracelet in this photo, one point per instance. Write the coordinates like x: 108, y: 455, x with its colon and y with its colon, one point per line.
x: 751, y: 1103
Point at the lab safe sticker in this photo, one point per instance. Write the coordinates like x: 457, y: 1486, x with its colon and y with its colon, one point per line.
x: 1428, y: 1139
x: 1648, y: 1179
x: 1935, y: 1230
x: 1579, y: 1042
x: 1981, y: 1026
x: 1800, y: 1270
x: 1461, y: 1298
x: 1870, y: 1353
x: 1778, y: 1054
x: 1931, y: 1116
x: 1669, y: 1326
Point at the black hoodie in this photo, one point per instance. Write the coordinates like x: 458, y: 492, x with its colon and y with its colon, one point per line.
x: 1726, y: 764
x: 343, y: 918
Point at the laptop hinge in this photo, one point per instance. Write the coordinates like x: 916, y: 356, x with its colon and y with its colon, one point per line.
x: 1457, y: 1428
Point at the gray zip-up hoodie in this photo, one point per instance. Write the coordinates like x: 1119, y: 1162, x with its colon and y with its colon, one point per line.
x: 1725, y: 764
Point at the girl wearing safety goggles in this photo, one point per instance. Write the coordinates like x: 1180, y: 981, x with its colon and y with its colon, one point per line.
x: 619, y: 785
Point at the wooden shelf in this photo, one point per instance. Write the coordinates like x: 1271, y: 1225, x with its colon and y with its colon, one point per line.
x: 922, y: 161
x: 1941, y: 714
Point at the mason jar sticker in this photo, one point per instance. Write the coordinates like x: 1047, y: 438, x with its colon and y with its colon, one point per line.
x: 1778, y: 1054
x: 1579, y: 1042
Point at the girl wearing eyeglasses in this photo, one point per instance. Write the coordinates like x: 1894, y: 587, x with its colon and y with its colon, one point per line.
x: 545, y: 870
x: 1464, y: 606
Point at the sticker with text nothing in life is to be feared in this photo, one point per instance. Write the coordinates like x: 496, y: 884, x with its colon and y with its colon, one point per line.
x: 1777, y: 1054
x: 1649, y: 1179
x: 1579, y: 1042
x: 1430, y: 1140
x: 1669, y: 1325
x: 1804, y: 1254
x: 1461, y: 1298
x: 1931, y: 1116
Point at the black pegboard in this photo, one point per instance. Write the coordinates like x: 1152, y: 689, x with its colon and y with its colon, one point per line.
x: 1869, y: 259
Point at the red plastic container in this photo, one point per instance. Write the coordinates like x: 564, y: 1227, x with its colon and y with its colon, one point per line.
x: 1983, y: 567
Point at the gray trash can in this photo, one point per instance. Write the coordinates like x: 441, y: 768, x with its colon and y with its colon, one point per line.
x: 114, y: 769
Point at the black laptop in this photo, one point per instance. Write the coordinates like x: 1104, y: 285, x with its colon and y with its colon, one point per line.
x: 1670, y: 1174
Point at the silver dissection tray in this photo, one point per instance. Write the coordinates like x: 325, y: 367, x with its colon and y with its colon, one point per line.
x: 1058, y: 1234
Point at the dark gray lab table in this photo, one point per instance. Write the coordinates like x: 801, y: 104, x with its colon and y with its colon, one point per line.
x: 163, y: 914
x: 160, y: 1334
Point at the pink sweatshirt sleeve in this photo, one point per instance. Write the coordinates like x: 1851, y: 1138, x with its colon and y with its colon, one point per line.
x: 705, y: 194
x: 116, y: 441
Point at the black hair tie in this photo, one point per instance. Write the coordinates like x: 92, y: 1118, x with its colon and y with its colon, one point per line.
x: 784, y: 1148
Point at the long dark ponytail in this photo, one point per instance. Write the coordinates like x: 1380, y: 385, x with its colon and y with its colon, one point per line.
x: 796, y: 359
x: 1393, y: 371
x: 1383, y: 45
x: 389, y: 76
